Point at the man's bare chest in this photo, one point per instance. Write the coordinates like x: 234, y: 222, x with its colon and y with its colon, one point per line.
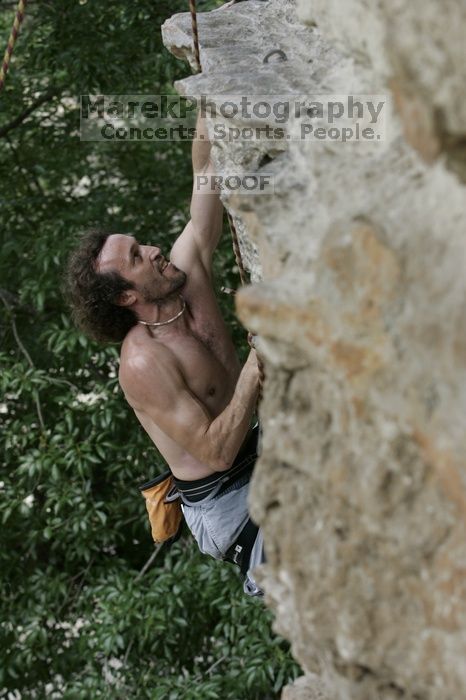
x: 208, y: 376
x: 208, y: 346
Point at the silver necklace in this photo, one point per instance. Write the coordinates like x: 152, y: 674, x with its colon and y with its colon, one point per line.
x: 170, y: 320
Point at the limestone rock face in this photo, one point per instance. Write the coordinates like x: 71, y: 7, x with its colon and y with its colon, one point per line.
x: 359, y: 298
x: 419, y: 48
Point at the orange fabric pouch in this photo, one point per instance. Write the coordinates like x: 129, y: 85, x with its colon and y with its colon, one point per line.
x: 163, y: 507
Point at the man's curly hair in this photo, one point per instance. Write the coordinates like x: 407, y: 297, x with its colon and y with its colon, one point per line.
x: 93, y: 295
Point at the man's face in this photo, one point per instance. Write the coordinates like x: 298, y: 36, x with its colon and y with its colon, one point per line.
x: 153, y: 277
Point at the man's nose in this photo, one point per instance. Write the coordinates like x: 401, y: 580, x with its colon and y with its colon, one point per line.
x: 154, y: 252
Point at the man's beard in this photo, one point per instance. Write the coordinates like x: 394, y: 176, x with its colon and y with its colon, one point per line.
x: 177, y: 282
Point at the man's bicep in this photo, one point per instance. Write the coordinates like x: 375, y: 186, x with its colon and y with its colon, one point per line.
x: 201, y: 235
x: 186, y: 253
x: 167, y: 401
x: 183, y: 419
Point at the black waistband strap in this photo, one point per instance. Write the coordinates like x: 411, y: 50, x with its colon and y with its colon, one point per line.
x: 214, y: 485
x: 240, y: 551
x: 210, y: 491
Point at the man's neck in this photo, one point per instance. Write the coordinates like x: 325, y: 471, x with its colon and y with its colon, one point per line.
x: 164, y: 316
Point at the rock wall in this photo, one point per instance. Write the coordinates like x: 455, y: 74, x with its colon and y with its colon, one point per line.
x: 361, y: 316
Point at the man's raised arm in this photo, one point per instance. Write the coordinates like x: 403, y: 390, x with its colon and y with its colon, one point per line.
x: 202, y: 234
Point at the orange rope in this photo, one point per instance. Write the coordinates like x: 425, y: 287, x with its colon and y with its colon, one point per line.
x: 197, y: 56
x: 12, y: 40
x: 237, y: 249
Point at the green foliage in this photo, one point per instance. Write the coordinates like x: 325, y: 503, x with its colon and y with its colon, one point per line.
x: 77, y: 618
x: 122, y: 635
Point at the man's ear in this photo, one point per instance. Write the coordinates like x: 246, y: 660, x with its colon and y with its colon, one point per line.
x: 127, y: 298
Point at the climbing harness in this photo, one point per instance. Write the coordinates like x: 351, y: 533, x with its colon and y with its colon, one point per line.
x: 202, y: 491
x: 11, y: 41
x: 165, y: 494
x: 240, y: 552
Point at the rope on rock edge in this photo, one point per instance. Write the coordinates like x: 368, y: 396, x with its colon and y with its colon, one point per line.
x: 234, y: 234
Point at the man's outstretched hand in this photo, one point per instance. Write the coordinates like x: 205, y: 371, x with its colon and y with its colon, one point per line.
x: 253, y: 363
x: 252, y: 340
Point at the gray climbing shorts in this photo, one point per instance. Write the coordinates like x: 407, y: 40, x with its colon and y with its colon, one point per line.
x: 217, y: 524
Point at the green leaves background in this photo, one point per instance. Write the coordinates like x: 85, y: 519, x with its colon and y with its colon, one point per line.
x: 77, y: 618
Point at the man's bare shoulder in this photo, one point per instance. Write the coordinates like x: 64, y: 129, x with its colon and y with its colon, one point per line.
x: 143, y: 361
x: 139, y: 349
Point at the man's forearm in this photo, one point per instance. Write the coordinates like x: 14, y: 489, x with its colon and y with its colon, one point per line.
x: 201, y: 146
x: 206, y: 207
x: 226, y: 433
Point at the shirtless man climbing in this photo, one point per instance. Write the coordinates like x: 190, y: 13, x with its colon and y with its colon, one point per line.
x: 178, y: 366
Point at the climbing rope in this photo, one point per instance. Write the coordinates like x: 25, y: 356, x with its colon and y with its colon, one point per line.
x: 197, y: 56
x: 234, y: 235
x: 12, y: 40
x: 236, y: 249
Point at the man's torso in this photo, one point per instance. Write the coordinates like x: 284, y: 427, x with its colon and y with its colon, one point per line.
x: 204, y: 352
